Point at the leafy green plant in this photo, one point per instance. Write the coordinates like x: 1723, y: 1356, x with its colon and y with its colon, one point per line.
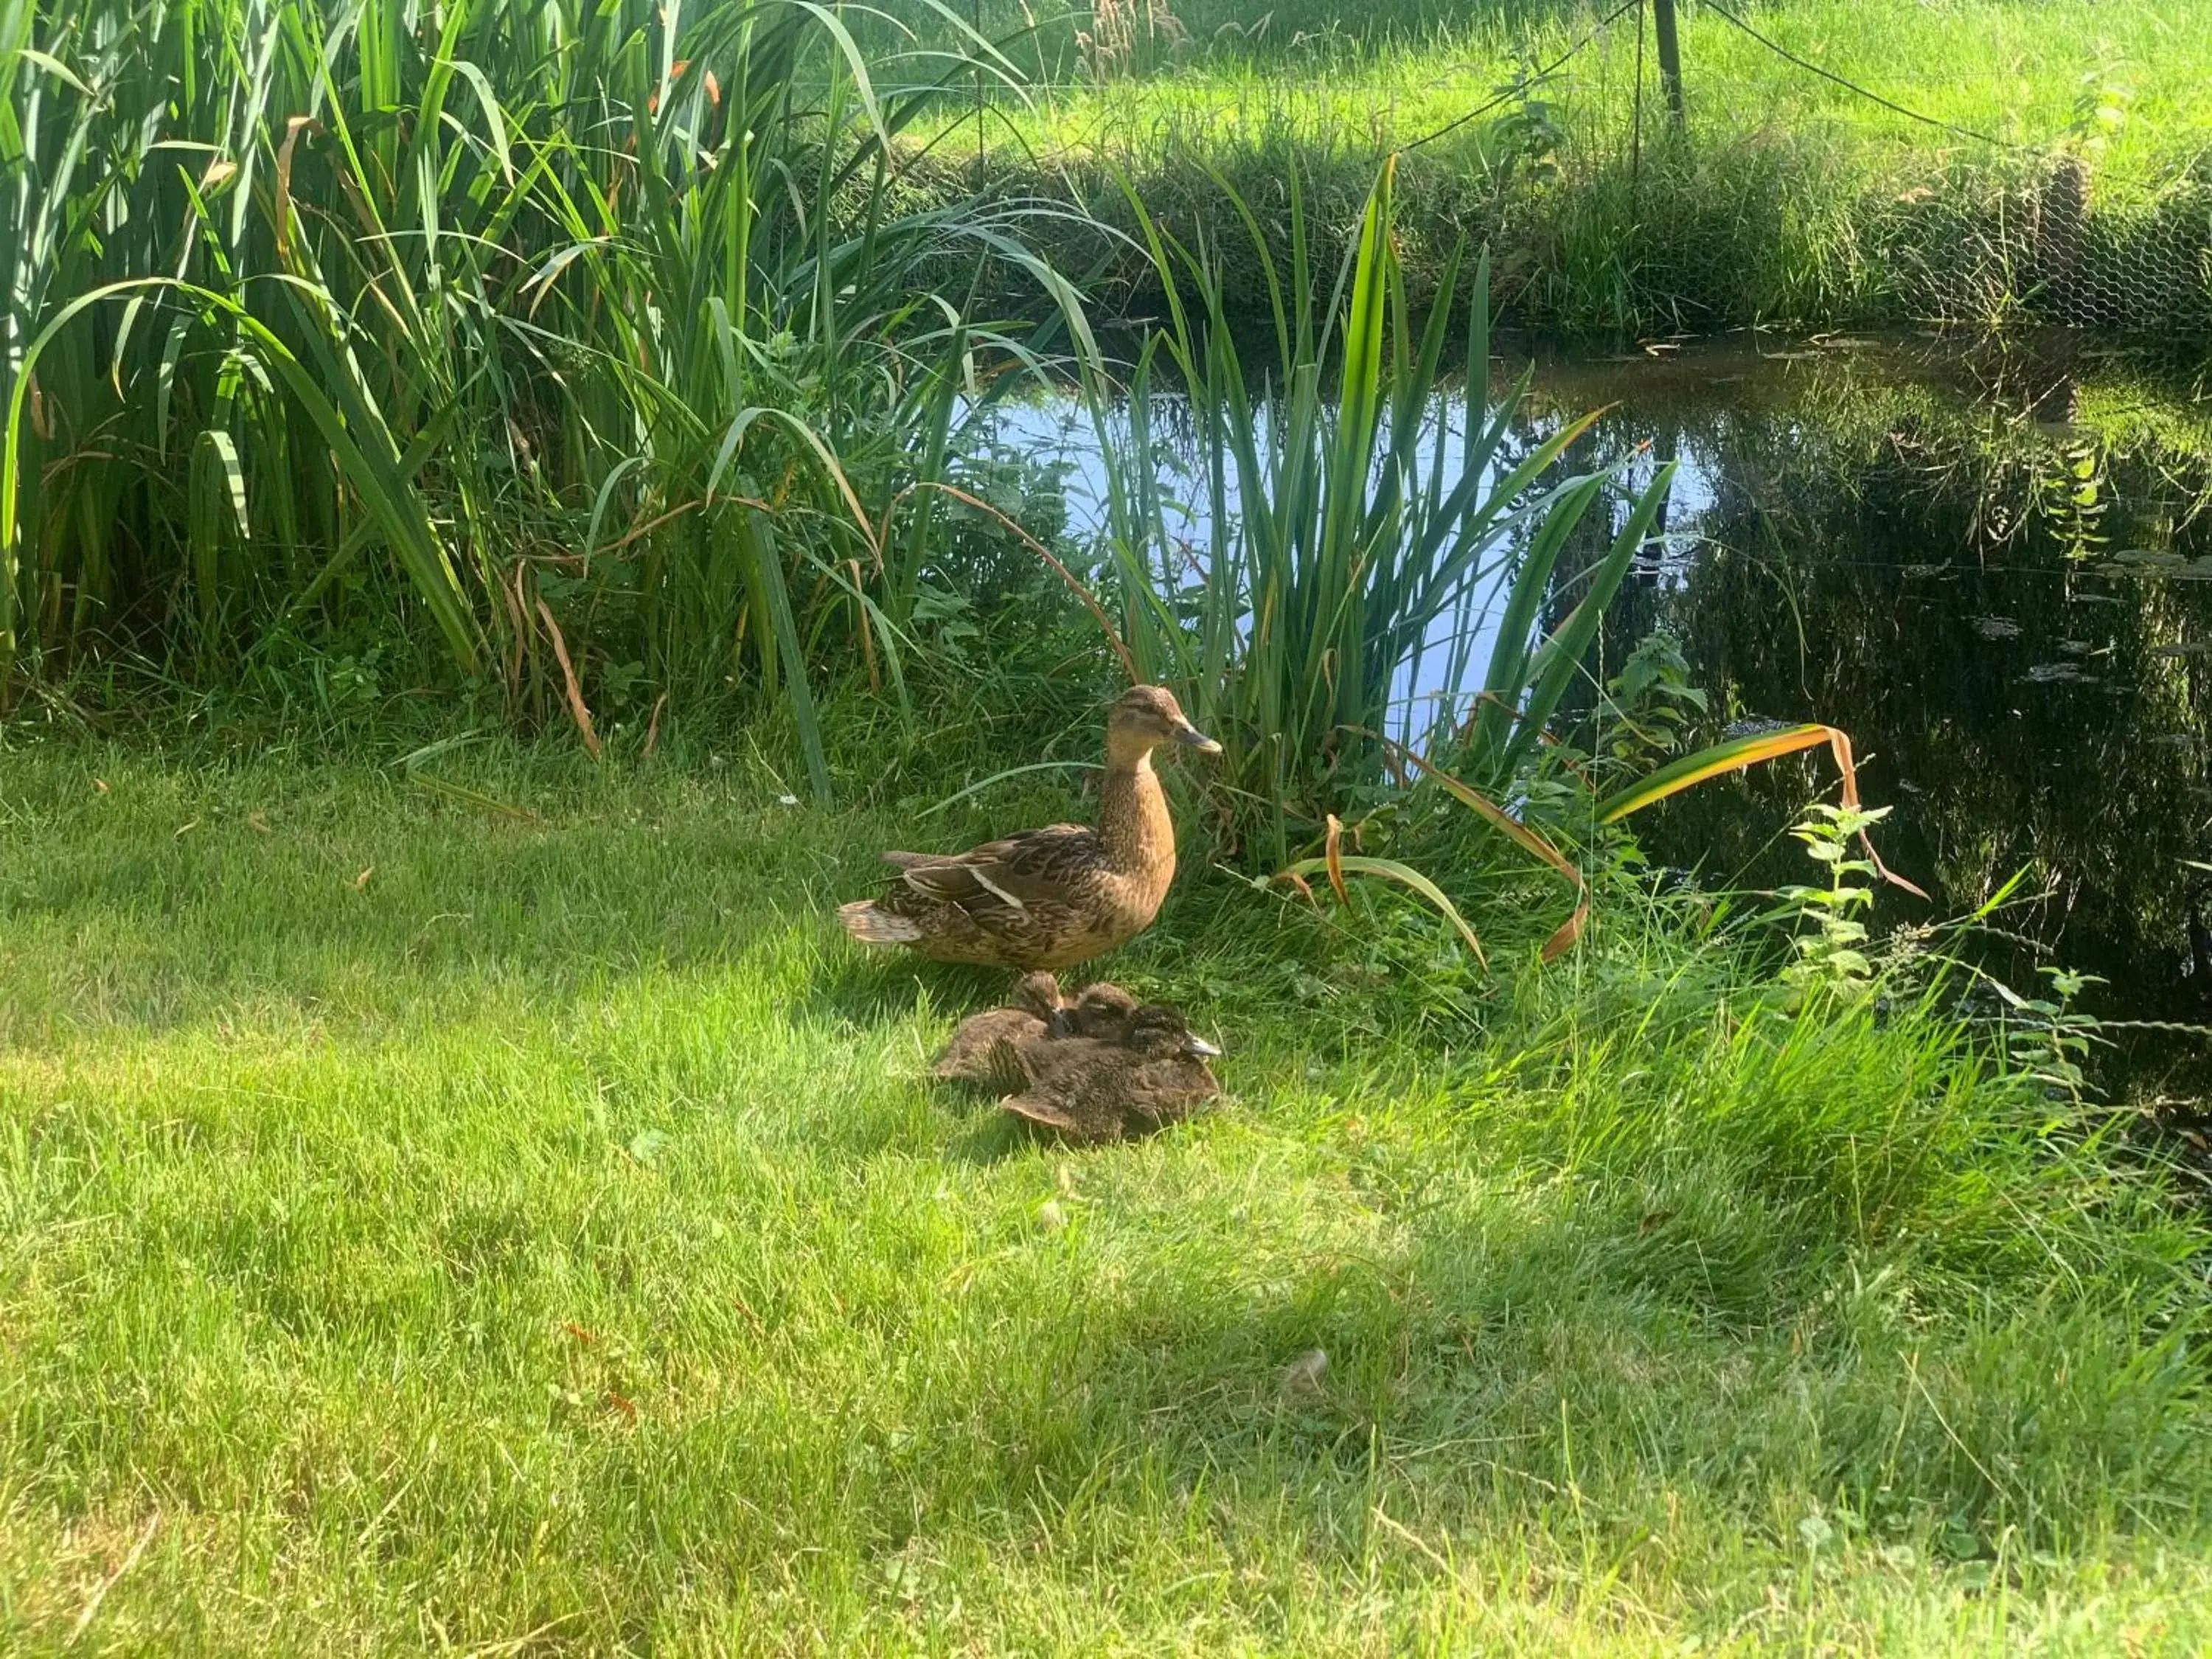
x: 1829, y: 961
x: 593, y: 349
x: 1648, y: 705
x: 2046, y: 1037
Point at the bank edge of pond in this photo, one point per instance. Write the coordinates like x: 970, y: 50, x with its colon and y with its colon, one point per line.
x: 1773, y: 229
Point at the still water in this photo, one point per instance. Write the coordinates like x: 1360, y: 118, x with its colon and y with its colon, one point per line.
x: 1992, y: 565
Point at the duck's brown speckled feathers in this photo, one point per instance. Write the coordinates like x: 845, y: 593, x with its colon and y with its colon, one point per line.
x: 989, y: 1049
x: 1048, y: 898
x: 1142, y: 1072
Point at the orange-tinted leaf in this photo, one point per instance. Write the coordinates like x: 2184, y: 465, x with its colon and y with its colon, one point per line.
x: 1406, y: 876
x: 1734, y: 757
x: 577, y: 711
x: 1333, y: 856
x: 1722, y: 757
x: 1514, y: 830
x: 1562, y: 941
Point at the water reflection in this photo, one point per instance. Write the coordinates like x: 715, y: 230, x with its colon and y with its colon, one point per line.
x: 1996, y: 571
x: 1993, y: 567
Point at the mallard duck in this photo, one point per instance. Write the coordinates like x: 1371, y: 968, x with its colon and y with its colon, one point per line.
x: 1141, y: 1070
x: 1051, y: 897
x: 988, y: 1047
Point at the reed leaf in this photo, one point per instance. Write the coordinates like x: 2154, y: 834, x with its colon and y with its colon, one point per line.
x: 533, y: 279
x: 1404, y: 875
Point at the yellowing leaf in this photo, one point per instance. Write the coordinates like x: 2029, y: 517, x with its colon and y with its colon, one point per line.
x: 1406, y: 876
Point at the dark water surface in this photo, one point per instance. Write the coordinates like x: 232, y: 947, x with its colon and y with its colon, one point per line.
x: 1994, y: 569
x: 1992, y: 565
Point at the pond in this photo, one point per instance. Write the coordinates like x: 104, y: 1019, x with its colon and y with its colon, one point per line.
x: 1990, y: 564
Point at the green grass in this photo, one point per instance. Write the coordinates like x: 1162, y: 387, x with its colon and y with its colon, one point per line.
x: 548, y: 1243
x: 2008, y: 70
x: 1794, y: 201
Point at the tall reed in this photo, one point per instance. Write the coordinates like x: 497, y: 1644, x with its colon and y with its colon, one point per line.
x: 603, y: 326
x: 1345, y: 536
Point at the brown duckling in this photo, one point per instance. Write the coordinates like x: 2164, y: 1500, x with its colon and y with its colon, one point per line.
x: 1143, y: 1069
x: 1051, y: 897
x: 988, y: 1047
x: 1102, y: 1010
x: 995, y: 1048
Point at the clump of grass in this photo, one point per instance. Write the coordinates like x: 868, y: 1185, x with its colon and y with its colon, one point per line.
x: 1339, y: 539
x: 430, y: 1225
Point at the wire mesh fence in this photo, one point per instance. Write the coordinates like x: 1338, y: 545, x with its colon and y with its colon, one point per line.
x: 1972, y: 165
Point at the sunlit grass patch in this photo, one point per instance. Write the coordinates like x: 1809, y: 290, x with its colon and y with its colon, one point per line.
x: 608, y: 1270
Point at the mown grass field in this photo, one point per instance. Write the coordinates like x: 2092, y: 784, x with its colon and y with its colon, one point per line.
x: 1794, y: 199
x: 2024, y: 73
x: 427, y: 1229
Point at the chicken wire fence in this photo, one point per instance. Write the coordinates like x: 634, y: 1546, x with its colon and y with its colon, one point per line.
x: 1783, y: 191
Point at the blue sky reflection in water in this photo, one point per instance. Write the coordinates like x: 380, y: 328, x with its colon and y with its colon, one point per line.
x: 1431, y: 685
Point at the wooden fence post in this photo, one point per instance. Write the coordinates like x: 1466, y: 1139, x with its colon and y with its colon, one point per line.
x: 1670, y: 58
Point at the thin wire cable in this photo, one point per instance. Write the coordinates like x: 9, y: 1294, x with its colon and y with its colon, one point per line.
x: 1806, y: 64
x: 1537, y: 79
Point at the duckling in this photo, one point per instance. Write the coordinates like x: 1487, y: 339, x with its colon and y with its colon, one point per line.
x: 1146, y: 1069
x: 988, y: 1048
x: 1101, y: 1010
x: 1048, y: 898
x: 998, y: 1047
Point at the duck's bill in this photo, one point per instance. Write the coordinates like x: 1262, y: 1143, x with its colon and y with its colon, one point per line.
x: 1192, y: 738
x: 1201, y: 1046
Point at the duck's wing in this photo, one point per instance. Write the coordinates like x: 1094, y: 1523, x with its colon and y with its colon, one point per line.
x: 1077, y: 1122
x: 1044, y: 1106
x: 1008, y: 875
x: 986, y: 1048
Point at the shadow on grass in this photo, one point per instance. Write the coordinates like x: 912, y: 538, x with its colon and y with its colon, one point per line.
x: 853, y: 988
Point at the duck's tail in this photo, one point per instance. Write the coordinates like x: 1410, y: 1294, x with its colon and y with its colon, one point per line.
x: 871, y: 925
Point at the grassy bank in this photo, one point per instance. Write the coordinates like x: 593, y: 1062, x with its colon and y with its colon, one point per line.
x: 2069, y: 182
x: 433, y: 1228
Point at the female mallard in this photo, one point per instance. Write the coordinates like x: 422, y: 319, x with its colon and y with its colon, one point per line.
x: 1048, y: 898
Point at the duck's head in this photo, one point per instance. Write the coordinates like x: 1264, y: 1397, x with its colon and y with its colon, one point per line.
x: 1145, y: 716
x: 1037, y: 994
x: 1102, y: 1011
x: 1157, y: 1032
